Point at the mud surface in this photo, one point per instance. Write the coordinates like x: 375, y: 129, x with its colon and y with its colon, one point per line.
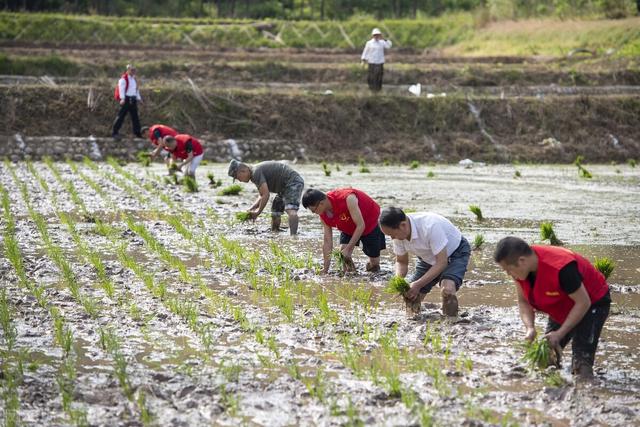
x: 256, y: 337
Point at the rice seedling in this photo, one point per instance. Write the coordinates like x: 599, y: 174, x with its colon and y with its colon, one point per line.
x: 144, y: 158
x: 8, y: 328
x: 547, y: 233
x: 363, y: 166
x: 414, y: 164
x: 605, y: 266
x: 190, y: 184
x: 431, y: 174
x: 517, y: 174
x: 584, y: 173
x: 478, y: 241
x: 145, y: 415
x: 349, y: 173
x: 539, y: 355
x: 231, y: 190
x: 632, y: 162
x: 338, y: 169
x: 475, y: 209
x: 317, y: 386
x: 554, y: 379
x: 325, y: 168
x: 393, y: 383
x: 11, y: 378
x: 243, y: 216
x: 212, y: 180
x: 397, y: 285
x: 229, y: 401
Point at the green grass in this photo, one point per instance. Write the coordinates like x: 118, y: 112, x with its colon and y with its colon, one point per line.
x: 605, y: 266
x: 397, y: 285
x: 232, y: 190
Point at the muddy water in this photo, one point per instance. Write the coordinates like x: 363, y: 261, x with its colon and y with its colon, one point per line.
x: 239, y: 379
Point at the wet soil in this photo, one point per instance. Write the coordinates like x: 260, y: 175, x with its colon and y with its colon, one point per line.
x: 295, y: 364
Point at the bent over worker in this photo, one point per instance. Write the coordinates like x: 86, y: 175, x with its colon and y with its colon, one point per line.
x: 186, y: 148
x: 157, y: 133
x: 355, y: 214
x: 564, y: 285
x: 272, y: 177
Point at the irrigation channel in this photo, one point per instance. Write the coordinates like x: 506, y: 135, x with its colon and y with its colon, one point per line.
x: 125, y: 300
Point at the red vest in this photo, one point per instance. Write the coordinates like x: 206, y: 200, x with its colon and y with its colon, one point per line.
x: 116, y: 92
x: 164, y: 131
x: 180, y: 151
x: 341, y: 218
x: 547, y: 295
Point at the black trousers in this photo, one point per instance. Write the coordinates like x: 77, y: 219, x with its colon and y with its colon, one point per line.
x: 585, y: 335
x: 374, y: 77
x: 130, y: 106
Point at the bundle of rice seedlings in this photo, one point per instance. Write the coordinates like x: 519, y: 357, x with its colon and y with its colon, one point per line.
x: 431, y: 174
x: 397, y: 285
x: 632, y: 162
x: 547, y: 233
x: 363, y: 166
x: 517, y: 174
x: 190, y: 183
x: 476, y: 211
x: 343, y: 263
x: 325, y: 168
x: 212, y: 180
x: 144, y: 158
x: 584, y: 173
x: 176, y: 181
x: 243, y: 216
x: 414, y: 164
x: 605, y: 266
x: 232, y: 190
x: 478, y: 241
x: 539, y: 355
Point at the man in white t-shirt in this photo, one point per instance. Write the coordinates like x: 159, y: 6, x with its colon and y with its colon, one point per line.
x: 443, y: 254
x: 373, y: 54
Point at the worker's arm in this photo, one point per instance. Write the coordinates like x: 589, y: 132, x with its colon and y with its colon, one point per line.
x: 402, y: 264
x: 365, y: 53
x: 122, y: 89
x: 156, y: 151
x: 431, y: 274
x: 579, y: 309
x: 261, y: 201
x: 356, y: 216
x: 186, y: 161
x: 387, y: 44
x: 526, y: 314
x: 327, y: 246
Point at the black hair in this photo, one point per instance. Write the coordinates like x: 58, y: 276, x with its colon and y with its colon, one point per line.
x: 392, y: 217
x: 312, y: 197
x: 510, y: 249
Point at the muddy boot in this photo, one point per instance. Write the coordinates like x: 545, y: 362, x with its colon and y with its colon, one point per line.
x: 582, y: 370
x: 450, y: 305
x: 373, y: 268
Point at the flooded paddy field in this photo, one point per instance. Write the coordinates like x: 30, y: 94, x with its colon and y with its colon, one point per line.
x: 126, y: 300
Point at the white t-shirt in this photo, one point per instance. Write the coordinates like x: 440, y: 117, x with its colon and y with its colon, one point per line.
x: 430, y: 234
x: 373, y: 51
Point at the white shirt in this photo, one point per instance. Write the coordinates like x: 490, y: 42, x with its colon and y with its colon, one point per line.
x: 132, y: 90
x: 373, y: 51
x: 430, y: 234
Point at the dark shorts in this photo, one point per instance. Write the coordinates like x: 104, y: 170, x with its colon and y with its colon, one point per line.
x: 372, y: 243
x: 455, y: 270
x: 585, y: 335
x: 289, y: 199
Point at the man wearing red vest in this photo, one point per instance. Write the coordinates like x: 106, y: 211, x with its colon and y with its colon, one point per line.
x: 128, y: 95
x: 564, y: 285
x: 186, y: 148
x: 355, y: 214
x: 156, y: 136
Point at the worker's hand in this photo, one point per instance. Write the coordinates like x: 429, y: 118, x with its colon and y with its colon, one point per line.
x: 253, y: 214
x: 530, y: 335
x: 413, y: 292
x: 122, y: 102
x: 554, y: 338
x: 347, y: 251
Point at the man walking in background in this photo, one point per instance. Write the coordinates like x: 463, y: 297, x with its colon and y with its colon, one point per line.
x: 128, y: 95
x: 373, y: 54
x: 272, y: 177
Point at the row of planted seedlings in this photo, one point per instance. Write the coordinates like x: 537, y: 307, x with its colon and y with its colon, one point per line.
x: 62, y: 331
x: 185, y: 307
x: 234, y: 257
x: 93, y: 306
x: 278, y: 287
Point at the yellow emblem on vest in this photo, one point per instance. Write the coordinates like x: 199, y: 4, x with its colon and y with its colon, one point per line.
x: 344, y: 217
x: 552, y: 293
